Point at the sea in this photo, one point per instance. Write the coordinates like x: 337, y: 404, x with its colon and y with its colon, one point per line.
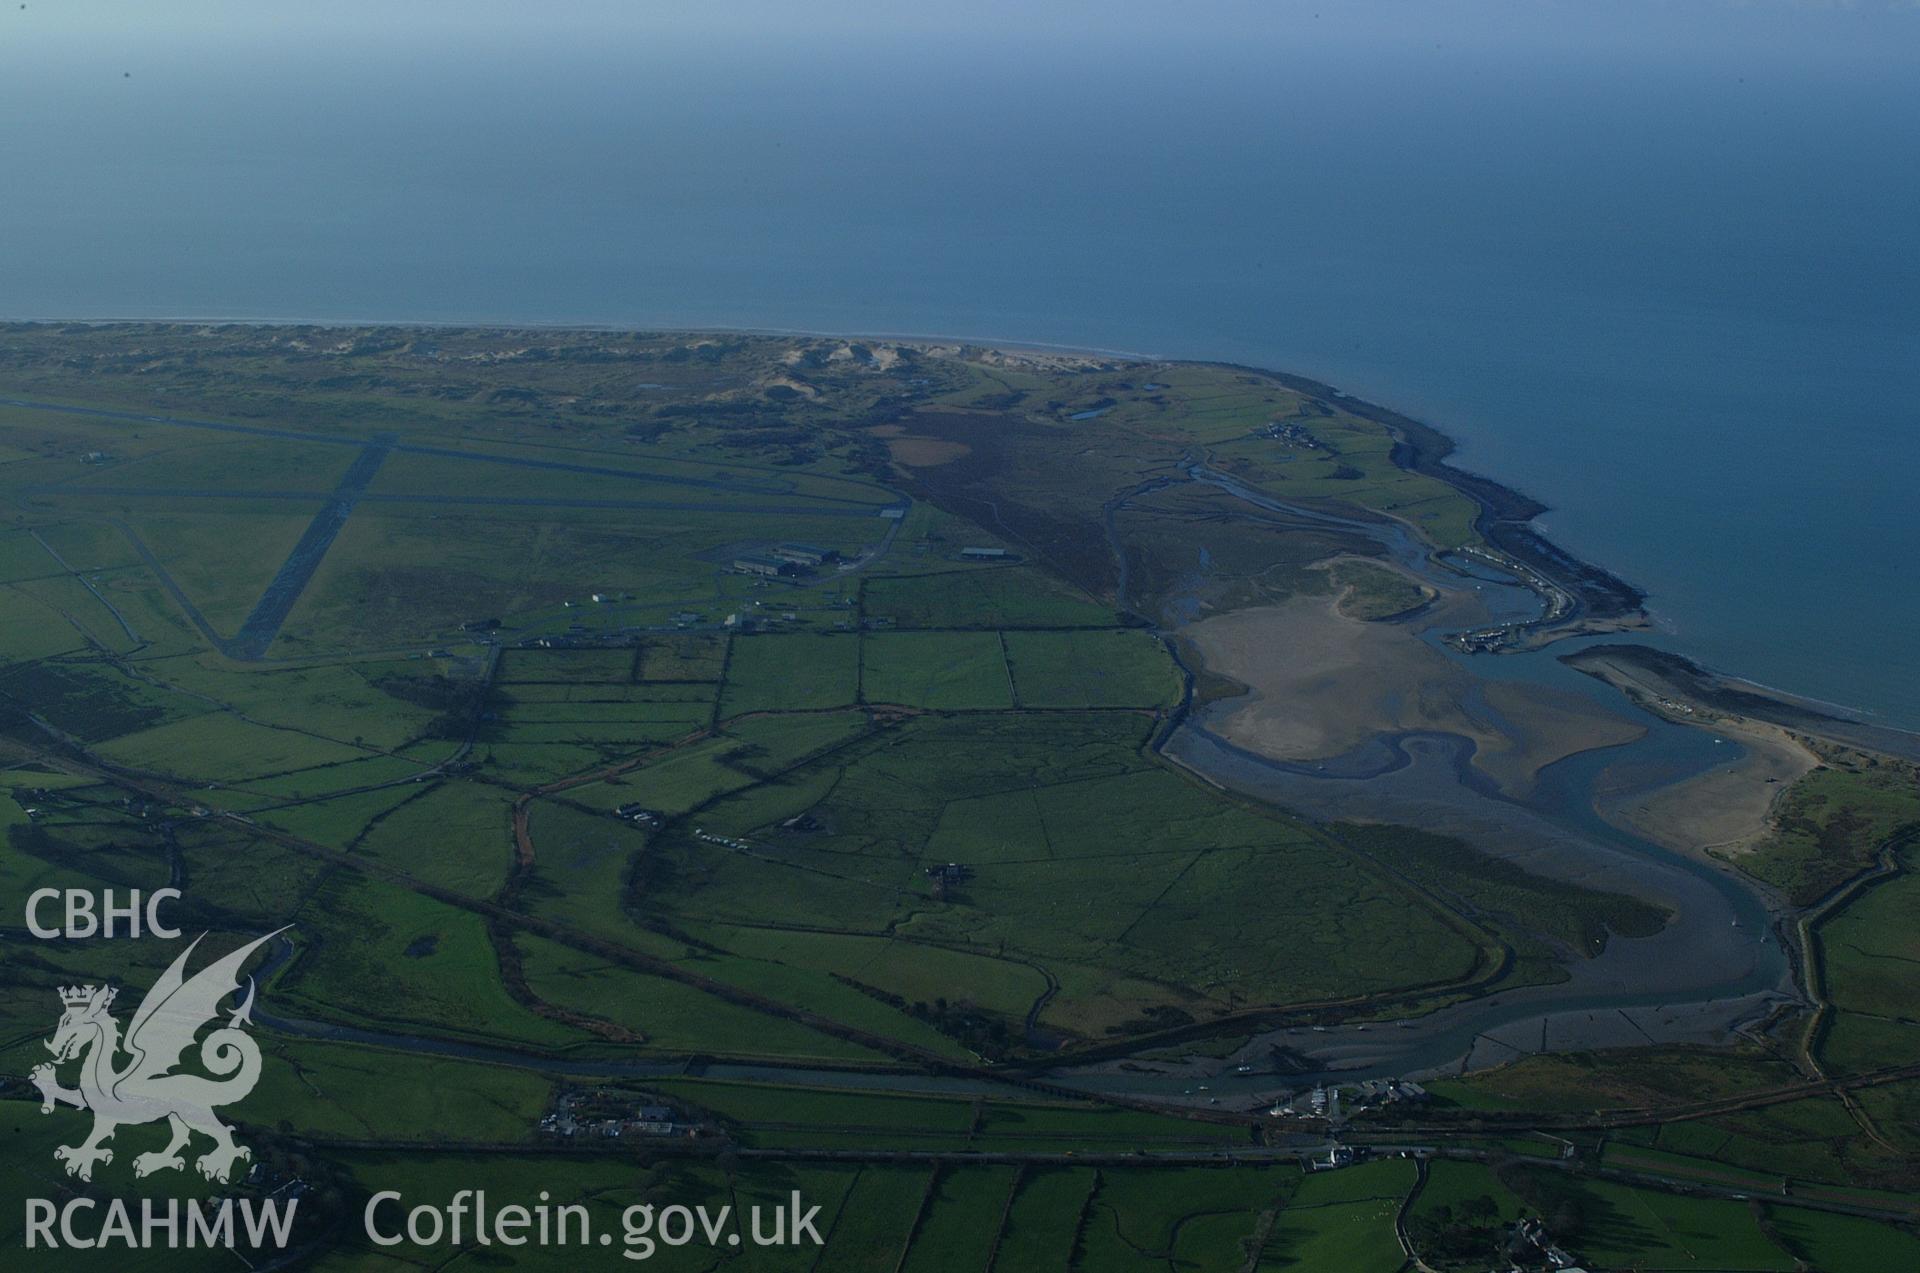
x: 1656, y: 264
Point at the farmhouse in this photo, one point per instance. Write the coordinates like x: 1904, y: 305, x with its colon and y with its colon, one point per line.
x: 947, y: 877
x: 1334, y: 1157
x: 984, y: 554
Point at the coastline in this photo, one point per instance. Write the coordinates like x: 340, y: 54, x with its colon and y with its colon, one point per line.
x: 1605, y: 601
x: 1505, y: 514
x: 1602, y: 602
x: 1472, y: 755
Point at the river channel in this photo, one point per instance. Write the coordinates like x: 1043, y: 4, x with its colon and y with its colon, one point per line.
x: 1716, y: 964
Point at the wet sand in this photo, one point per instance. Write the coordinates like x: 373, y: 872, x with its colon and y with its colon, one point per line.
x: 1726, y: 811
x: 1322, y: 684
x: 1415, y: 780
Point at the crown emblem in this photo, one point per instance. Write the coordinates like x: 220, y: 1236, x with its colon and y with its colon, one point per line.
x: 79, y: 996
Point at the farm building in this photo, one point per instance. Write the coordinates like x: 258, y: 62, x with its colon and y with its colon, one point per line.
x: 756, y: 564
x: 805, y: 554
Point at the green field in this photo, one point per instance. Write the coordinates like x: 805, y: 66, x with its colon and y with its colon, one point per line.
x: 791, y: 672
x: 1356, y: 1236
x: 1091, y: 669
x: 1830, y: 825
x: 1369, y: 591
x: 846, y: 865
x: 1871, y: 960
x: 991, y: 599
x: 1832, y: 1243
x: 936, y: 670
x: 668, y: 1016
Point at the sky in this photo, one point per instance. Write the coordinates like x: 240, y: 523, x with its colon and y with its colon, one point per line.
x: 1798, y: 29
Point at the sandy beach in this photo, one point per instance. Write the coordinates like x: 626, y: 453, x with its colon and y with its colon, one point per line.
x: 1723, y: 811
x: 1726, y: 810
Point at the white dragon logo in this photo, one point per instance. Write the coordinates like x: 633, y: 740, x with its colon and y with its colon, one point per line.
x: 145, y: 1089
